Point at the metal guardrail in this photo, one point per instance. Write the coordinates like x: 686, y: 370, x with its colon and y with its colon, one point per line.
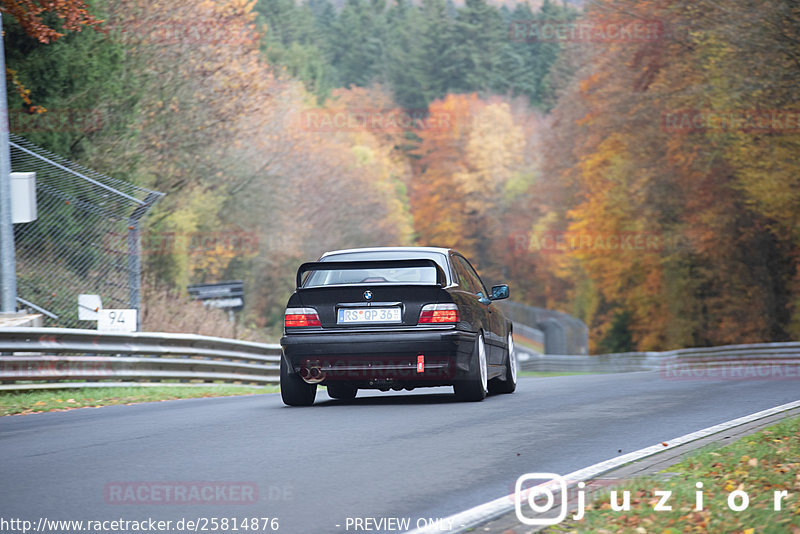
x: 531, y: 339
x: 43, y: 358
x: 563, y: 334
x: 763, y: 360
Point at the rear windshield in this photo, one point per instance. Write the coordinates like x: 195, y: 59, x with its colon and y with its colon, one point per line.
x: 401, y: 275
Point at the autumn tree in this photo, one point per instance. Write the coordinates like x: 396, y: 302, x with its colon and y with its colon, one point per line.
x: 73, y: 15
x: 467, y: 176
x: 717, y: 198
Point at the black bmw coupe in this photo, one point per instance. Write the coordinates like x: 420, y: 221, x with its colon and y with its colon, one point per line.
x: 394, y: 318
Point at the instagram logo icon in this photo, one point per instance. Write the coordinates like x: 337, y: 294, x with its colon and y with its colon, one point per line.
x: 541, y: 498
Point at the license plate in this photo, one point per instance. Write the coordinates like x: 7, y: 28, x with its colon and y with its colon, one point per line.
x: 369, y: 315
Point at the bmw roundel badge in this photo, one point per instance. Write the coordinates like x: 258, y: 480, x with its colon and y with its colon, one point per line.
x: 368, y: 295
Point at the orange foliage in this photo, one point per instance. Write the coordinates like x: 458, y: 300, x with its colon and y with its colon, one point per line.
x: 722, y: 204
x: 73, y: 14
x: 459, y: 196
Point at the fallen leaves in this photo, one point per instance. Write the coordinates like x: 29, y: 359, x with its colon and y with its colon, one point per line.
x: 759, y: 467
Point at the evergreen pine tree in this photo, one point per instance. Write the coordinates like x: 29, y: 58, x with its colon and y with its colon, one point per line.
x: 291, y: 41
x: 522, y: 69
x: 437, y: 49
x: 357, y: 42
x: 479, y: 38
x: 404, y: 57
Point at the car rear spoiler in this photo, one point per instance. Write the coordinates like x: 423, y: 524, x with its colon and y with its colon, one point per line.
x: 372, y: 264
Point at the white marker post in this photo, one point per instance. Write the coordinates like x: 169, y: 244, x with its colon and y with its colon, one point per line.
x: 117, y: 320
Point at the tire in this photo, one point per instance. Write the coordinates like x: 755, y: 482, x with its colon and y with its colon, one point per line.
x: 475, y: 387
x: 342, y: 391
x: 496, y: 385
x: 295, y: 391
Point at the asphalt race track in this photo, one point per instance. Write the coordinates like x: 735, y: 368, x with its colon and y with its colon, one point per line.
x: 416, y: 455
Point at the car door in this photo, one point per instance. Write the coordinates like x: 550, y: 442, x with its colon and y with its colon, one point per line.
x: 493, y: 322
x: 489, y: 317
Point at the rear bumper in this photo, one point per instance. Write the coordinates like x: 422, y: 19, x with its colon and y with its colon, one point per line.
x: 383, y: 359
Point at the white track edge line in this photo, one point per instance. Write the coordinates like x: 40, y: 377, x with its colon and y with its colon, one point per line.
x: 487, y: 511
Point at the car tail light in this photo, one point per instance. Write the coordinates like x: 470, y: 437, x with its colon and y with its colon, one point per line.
x: 301, y: 317
x: 438, y: 313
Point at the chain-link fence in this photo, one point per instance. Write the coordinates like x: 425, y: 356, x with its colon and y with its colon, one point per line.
x: 563, y: 334
x: 84, y: 241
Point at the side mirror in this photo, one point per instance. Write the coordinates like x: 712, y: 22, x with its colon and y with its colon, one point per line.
x: 499, y: 292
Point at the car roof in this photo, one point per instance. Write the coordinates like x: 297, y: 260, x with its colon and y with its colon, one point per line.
x: 428, y: 250
x: 440, y: 250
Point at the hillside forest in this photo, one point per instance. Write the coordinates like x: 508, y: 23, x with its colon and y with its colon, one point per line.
x: 631, y: 162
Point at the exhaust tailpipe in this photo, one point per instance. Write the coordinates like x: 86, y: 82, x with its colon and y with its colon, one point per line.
x: 312, y: 375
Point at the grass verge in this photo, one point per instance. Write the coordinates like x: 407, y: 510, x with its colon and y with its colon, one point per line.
x: 755, y: 466
x: 27, y: 402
